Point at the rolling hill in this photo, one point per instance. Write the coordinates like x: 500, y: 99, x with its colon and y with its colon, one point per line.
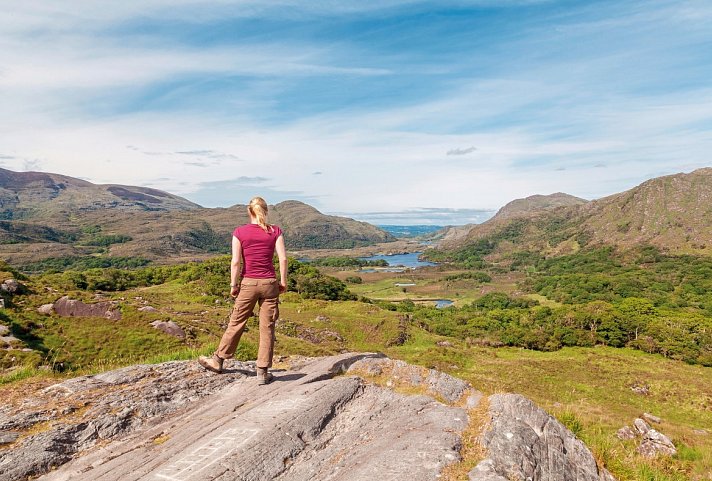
x: 50, y: 215
x: 672, y: 213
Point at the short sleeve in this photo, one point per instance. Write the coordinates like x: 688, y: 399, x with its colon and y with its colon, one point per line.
x: 277, y: 231
x: 236, y: 233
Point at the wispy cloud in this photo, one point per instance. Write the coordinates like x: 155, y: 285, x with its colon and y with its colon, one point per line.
x: 239, y: 190
x: 357, y: 106
x: 424, y: 216
x: 465, y: 151
x: 31, y: 164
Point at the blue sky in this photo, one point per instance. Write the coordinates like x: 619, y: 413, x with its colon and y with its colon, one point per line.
x: 392, y: 111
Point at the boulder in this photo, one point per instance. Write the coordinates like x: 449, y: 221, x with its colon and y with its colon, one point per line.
x: 650, y: 418
x: 656, y: 443
x: 11, y: 286
x: 626, y: 433
x: 46, y: 309
x: 524, y: 442
x: 4, y: 330
x: 169, y: 327
x: 147, y: 309
x: 640, y: 388
x: 67, y: 307
x: 641, y: 426
x: 7, y: 342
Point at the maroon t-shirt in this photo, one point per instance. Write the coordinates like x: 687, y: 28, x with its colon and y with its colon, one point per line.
x: 257, y: 250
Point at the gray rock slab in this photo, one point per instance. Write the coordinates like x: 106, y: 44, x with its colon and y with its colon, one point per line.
x: 524, y: 442
x: 381, y: 434
x: 67, y: 307
x: 87, y: 410
x: 7, y: 437
x: 436, y: 383
x: 307, y: 424
x: 4, y: 330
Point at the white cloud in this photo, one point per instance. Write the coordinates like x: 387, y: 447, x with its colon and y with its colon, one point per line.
x: 541, y: 125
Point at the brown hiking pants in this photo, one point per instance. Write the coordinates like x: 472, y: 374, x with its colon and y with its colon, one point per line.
x: 252, y: 291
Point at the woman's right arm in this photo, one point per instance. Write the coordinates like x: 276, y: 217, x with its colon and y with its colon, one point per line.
x: 235, y: 265
x: 282, y: 255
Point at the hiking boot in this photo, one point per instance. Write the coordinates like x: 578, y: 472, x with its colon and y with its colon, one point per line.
x: 212, y: 363
x: 263, y: 376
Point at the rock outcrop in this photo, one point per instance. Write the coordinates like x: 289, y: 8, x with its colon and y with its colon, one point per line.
x: 524, y: 442
x: 176, y: 421
x: 7, y: 340
x: 170, y: 328
x: 67, y: 307
x: 653, y: 442
x: 11, y: 286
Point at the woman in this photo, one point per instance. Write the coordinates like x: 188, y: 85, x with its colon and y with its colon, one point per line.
x: 253, y: 282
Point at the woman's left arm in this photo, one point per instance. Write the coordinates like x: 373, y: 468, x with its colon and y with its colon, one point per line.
x: 282, y: 255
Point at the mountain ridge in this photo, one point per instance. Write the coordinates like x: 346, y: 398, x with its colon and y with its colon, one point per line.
x: 670, y: 212
x: 45, y: 215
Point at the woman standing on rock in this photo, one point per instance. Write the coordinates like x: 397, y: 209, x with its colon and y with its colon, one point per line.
x: 253, y: 281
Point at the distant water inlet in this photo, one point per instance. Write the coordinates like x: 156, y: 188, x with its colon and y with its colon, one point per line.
x: 409, y: 261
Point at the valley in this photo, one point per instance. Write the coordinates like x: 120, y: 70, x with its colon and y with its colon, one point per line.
x: 595, y: 333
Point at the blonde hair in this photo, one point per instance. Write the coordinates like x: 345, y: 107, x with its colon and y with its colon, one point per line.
x: 258, y: 209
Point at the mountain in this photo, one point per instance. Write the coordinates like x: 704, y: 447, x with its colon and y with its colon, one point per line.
x: 50, y: 215
x: 673, y: 213
x: 536, y: 204
x: 38, y: 195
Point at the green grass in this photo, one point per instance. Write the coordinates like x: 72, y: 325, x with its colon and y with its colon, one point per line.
x: 23, y: 373
x: 587, y: 389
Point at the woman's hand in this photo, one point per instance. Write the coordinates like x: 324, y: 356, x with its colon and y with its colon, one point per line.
x: 234, y: 291
x: 282, y: 288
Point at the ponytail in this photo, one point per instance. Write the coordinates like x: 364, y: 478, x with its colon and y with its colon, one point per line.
x: 258, y: 209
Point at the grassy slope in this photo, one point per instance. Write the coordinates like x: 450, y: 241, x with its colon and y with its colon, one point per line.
x: 588, y: 389
x: 671, y: 213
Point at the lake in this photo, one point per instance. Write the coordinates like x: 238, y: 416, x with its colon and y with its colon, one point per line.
x: 443, y: 303
x: 401, y: 260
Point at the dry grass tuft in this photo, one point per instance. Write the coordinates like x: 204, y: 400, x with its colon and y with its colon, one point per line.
x: 472, y: 451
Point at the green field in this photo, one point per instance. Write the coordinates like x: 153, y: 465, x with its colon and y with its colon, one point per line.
x: 587, y: 387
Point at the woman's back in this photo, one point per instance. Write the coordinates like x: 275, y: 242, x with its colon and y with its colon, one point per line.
x: 258, y: 248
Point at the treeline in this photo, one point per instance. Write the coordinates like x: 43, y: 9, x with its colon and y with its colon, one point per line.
x: 499, y: 320
x: 675, y: 282
x: 348, y: 262
x: 79, y: 263
x: 640, y: 298
x: 213, y: 275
